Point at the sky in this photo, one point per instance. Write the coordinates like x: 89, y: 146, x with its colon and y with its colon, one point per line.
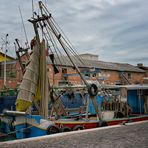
x: 116, y: 30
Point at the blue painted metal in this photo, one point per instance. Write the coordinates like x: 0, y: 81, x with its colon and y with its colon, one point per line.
x: 29, y: 130
x: 5, y: 127
x: 84, y: 72
x: 134, y: 102
x: 35, y: 131
x: 20, y: 131
x: 69, y: 100
x: 7, y: 102
x: 36, y: 117
x: 99, y: 100
x: 73, y: 100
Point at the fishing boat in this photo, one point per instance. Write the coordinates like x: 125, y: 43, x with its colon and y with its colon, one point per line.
x: 36, y: 90
x: 128, y: 105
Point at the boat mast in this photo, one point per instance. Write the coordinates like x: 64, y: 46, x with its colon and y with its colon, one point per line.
x: 20, y: 50
x: 6, y: 42
x: 43, y: 80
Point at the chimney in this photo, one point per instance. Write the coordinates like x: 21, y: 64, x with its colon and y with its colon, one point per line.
x: 140, y: 64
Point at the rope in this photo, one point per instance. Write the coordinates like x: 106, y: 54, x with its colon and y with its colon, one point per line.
x: 4, y: 135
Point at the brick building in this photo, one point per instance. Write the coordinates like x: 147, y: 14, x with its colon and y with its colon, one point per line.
x: 141, y: 66
x: 13, y: 71
x: 91, y: 68
x: 10, y: 70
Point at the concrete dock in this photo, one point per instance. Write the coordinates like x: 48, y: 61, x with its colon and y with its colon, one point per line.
x: 119, y: 136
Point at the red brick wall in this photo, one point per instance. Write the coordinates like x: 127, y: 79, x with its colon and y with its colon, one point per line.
x: 14, y: 82
x: 114, y: 76
x: 111, y: 77
x: 137, y: 77
x: 59, y: 76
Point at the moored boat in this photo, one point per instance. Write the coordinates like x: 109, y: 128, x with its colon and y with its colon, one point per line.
x: 34, y: 90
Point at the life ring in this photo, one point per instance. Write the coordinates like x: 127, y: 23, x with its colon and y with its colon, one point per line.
x: 65, y: 129
x: 93, y: 90
x: 78, y: 127
x: 118, y: 114
x: 53, y: 129
x: 103, y: 123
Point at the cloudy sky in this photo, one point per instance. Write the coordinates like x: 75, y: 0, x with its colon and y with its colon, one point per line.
x: 116, y: 30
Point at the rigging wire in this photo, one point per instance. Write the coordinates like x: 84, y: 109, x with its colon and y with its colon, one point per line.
x: 54, y: 44
x: 43, y: 8
x: 68, y: 42
x: 58, y: 35
x: 27, y: 43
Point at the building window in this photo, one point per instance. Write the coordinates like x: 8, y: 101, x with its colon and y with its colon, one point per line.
x: 64, y: 70
x: 129, y: 76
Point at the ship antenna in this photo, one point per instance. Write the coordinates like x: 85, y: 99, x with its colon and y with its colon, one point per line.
x: 32, y: 9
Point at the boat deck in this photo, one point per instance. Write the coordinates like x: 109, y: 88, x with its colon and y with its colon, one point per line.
x: 128, y: 135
